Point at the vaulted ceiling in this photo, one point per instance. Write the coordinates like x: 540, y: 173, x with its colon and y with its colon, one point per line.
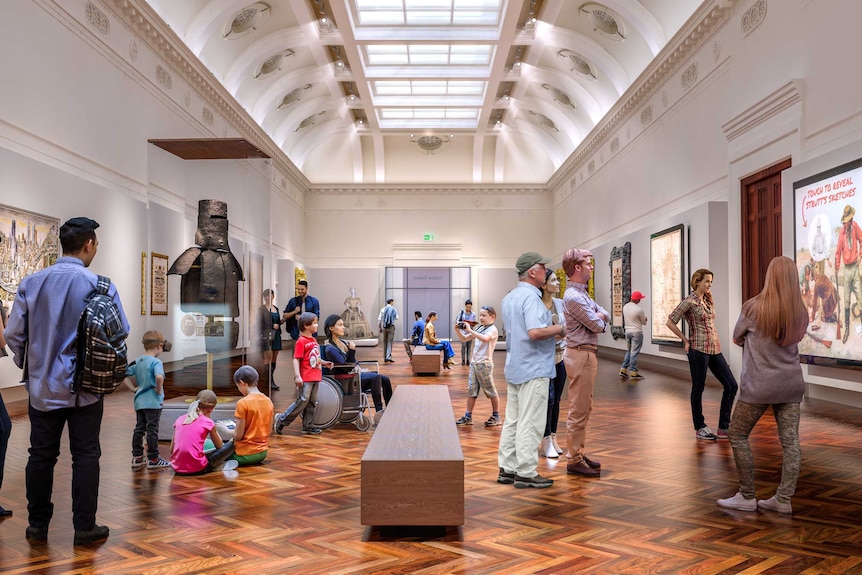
x: 353, y: 90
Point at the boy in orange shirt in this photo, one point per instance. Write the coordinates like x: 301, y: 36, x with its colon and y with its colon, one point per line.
x: 253, y: 419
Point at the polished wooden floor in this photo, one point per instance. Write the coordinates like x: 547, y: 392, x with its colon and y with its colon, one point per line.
x: 652, y: 511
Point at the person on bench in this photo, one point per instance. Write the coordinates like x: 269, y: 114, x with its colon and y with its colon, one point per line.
x: 431, y: 342
x: 418, y: 329
x: 343, y: 353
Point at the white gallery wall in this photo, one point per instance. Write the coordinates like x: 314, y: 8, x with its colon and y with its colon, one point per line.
x: 726, y: 98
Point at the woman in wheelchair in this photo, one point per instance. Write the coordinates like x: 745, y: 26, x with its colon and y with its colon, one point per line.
x: 343, y: 355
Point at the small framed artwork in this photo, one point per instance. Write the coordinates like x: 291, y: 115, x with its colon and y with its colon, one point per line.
x: 158, y: 284
x: 667, y: 281
x: 621, y: 287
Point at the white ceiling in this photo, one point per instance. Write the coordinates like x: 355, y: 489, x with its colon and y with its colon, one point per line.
x: 351, y: 85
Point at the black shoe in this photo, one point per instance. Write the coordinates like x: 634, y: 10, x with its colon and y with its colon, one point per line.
x: 36, y: 533
x: 90, y: 536
x: 536, y: 481
x: 274, y: 386
x: 312, y: 431
x: 5, y: 512
x: 505, y: 477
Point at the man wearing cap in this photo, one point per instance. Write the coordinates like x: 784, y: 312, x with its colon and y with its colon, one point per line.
x: 42, y: 333
x: 847, y: 252
x: 635, y: 319
x: 529, y: 366
x: 585, y: 319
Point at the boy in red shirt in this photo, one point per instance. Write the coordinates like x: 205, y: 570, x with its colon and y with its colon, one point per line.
x: 307, y: 365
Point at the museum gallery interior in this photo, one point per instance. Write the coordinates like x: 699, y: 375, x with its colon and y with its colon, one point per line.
x: 413, y: 149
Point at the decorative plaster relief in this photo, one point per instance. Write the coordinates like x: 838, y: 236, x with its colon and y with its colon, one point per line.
x: 646, y: 115
x: 97, y: 19
x: 591, y: 167
x: 716, y: 50
x: 753, y: 17
x: 164, y: 77
x: 615, y: 145
x: 688, y: 76
x: 133, y: 50
x: 207, y: 116
x: 187, y: 99
x: 664, y: 98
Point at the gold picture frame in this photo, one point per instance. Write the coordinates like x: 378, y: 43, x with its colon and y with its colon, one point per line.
x: 158, y: 284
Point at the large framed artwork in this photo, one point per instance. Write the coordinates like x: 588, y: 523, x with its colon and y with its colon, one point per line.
x: 158, y: 284
x: 667, y: 280
x: 29, y: 242
x: 621, y: 287
x: 825, y: 217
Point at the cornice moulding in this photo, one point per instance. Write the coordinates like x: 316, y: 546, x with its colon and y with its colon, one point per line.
x: 781, y: 99
x: 141, y: 18
x: 691, y: 37
x: 407, y: 190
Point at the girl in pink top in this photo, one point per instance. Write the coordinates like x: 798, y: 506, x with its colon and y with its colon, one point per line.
x: 190, y: 433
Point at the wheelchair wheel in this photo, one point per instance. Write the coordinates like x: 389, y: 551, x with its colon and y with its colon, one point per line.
x: 329, y: 404
x: 363, y: 423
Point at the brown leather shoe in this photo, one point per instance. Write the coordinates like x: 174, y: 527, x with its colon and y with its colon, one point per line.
x: 593, y: 463
x: 581, y: 468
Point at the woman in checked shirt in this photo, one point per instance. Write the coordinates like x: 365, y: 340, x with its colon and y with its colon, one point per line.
x: 704, y: 351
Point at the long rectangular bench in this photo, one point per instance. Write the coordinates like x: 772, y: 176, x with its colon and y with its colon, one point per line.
x: 426, y: 360
x: 412, y: 472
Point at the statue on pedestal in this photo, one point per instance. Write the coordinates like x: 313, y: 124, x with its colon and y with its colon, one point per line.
x: 355, y: 324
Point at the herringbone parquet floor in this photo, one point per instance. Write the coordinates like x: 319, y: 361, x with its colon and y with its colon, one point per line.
x: 652, y: 511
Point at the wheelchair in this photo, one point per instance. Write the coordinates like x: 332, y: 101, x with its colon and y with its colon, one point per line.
x: 340, y: 398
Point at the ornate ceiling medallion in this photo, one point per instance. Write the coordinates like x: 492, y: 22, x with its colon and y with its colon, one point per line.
x: 246, y: 20
x: 603, y: 20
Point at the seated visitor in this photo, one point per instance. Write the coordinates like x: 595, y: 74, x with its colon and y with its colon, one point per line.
x: 253, y: 419
x: 343, y: 353
x: 190, y: 433
x: 431, y: 342
x: 418, y: 329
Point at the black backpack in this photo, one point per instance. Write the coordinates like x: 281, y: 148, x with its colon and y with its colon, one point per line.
x: 102, y: 355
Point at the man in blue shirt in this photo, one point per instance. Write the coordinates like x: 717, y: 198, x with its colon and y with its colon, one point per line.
x: 297, y: 305
x: 529, y: 366
x: 418, y: 328
x: 386, y: 322
x: 42, y: 332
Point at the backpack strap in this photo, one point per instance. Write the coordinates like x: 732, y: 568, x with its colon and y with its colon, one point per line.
x: 103, y: 285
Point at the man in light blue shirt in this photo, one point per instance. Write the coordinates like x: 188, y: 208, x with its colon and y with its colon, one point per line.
x: 386, y: 322
x: 42, y: 331
x: 529, y: 366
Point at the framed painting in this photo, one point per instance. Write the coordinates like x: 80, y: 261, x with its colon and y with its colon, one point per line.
x: 158, y: 284
x: 29, y: 242
x: 621, y: 287
x: 667, y: 280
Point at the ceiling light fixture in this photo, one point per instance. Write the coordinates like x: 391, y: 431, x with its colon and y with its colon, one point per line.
x: 430, y: 144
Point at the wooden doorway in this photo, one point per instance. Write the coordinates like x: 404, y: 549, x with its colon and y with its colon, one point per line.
x: 761, y: 226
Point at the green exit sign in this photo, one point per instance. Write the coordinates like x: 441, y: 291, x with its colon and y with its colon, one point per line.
x: 428, y: 237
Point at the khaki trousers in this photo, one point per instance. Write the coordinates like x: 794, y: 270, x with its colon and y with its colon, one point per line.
x: 526, y: 412
x: 581, y: 367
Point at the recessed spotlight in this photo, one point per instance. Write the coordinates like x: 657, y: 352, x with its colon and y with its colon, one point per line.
x: 324, y: 20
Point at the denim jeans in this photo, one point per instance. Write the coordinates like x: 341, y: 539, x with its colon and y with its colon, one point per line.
x: 445, y: 346
x: 147, y: 424
x: 697, y: 363
x: 46, y: 430
x: 634, y: 341
x: 305, y: 404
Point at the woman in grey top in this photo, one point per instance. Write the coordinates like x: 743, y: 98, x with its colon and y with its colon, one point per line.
x: 768, y: 329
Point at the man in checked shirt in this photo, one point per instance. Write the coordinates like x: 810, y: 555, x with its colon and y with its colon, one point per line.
x: 585, y: 319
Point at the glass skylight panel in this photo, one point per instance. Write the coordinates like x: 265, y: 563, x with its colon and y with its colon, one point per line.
x: 428, y: 12
x: 429, y: 87
x: 429, y: 113
x: 428, y: 54
x: 387, y: 54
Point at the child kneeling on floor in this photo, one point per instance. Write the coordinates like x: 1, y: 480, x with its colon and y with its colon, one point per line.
x: 190, y: 433
x: 253, y: 419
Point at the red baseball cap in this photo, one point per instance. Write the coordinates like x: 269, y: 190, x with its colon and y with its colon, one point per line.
x: 637, y: 296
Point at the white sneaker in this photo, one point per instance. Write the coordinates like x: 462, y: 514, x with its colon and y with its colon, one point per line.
x: 555, y: 444
x: 227, y: 465
x: 739, y: 502
x: 546, y: 448
x: 772, y: 504
x: 705, y: 433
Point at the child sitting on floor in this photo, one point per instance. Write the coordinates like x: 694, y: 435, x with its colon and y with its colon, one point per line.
x: 190, y: 433
x: 253, y: 419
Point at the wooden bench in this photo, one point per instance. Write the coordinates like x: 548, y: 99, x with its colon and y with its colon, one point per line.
x: 426, y: 360
x: 412, y: 472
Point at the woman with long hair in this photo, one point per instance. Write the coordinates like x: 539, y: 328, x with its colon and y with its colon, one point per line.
x: 704, y: 351
x: 431, y: 342
x: 549, y: 446
x: 269, y: 333
x: 342, y: 353
x: 769, y: 330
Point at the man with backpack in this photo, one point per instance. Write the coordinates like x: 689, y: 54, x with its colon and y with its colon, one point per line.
x: 43, y: 334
